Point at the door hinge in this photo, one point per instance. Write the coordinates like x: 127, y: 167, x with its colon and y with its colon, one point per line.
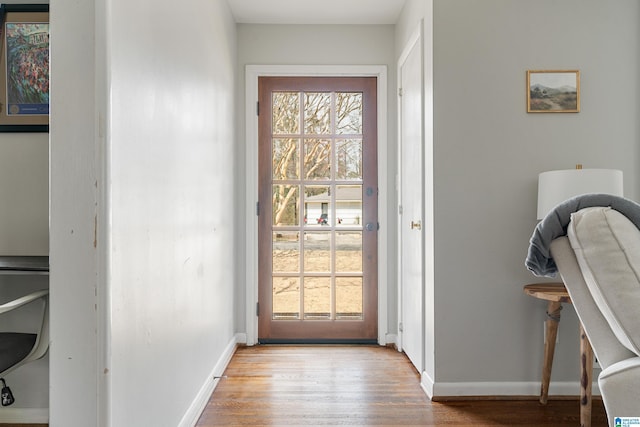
x: 257, y: 309
x: 399, y: 91
x: 401, y: 327
x: 258, y: 108
x: 399, y: 209
x: 257, y: 208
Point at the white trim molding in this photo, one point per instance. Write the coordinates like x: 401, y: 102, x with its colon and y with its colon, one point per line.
x: 241, y: 338
x: 251, y: 97
x: 435, y: 390
x: 392, y: 339
x: 198, y: 404
x: 426, y: 382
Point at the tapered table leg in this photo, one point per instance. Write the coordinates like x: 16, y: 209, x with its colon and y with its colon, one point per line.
x: 586, y: 378
x: 551, y: 327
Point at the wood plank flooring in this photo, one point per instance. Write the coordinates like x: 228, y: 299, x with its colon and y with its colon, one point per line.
x: 359, y: 385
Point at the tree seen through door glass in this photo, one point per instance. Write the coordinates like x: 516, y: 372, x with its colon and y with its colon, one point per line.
x: 317, y: 205
x: 317, y: 113
x: 317, y: 159
x: 286, y: 113
x: 285, y: 158
x: 349, y: 159
x: 349, y: 113
x: 286, y: 202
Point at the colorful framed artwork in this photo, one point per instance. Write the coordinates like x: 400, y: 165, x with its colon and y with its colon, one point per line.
x: 24, y: 68
x: 553, y: 91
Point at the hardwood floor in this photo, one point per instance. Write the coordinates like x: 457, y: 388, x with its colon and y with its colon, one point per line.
x: 358, y: 385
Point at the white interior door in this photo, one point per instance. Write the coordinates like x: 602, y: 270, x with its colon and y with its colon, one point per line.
x: 411, y: 328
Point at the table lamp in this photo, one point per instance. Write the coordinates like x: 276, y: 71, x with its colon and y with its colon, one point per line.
x: 554, y: 187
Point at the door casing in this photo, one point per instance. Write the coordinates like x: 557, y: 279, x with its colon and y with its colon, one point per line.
x: 253, y: 72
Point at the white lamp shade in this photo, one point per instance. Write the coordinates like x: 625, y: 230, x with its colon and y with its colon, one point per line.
x: 554, y: 187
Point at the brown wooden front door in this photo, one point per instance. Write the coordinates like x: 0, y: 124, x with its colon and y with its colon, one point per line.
x: 318, y: 217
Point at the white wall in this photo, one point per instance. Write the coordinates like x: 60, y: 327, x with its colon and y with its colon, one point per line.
x: 487, y: 155
x: 142, y: 308
x: 171, y: 154
x: 318, y: 45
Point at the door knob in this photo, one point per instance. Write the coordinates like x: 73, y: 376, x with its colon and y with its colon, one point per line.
x: 372, y: 227
x: 417, y: 225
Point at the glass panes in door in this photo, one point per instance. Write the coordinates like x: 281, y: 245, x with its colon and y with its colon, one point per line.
x: 317, y: 177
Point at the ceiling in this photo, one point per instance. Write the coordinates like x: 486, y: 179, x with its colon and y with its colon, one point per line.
x: 316, y: 11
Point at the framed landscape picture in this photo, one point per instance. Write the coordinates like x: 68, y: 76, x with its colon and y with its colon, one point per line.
x: 553, y: 91
x: 24, y: 68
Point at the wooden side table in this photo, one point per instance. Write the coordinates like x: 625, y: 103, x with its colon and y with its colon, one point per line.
x: 556, y: 294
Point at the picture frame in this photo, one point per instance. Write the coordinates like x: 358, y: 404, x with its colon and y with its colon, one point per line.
x: 24, y: 68
x: 553, y: 91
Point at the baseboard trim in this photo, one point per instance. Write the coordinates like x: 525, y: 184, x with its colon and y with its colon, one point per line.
x: 437, y: 391
x: 24, y: 415
x: 427, y: 385
x: 192, y: 415
x: 241, y: 338
x: 391, y: 340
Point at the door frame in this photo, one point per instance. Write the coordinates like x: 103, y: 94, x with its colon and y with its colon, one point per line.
x: 252, y: 73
